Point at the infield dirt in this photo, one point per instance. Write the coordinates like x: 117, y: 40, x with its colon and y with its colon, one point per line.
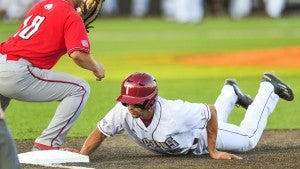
x: 276, y: 149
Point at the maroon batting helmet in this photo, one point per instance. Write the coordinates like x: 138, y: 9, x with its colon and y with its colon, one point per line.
x: 139, y: 88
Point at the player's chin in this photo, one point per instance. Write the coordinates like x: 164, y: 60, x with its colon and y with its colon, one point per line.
x: 135, y: 116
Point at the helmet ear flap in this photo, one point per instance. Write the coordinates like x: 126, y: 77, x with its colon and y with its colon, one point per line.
x: 150, y: 102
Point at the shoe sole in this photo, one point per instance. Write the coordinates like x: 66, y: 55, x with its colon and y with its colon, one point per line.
x: 283, y: 90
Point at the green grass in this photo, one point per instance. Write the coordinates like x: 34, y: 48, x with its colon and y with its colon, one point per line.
x: 125, y: 46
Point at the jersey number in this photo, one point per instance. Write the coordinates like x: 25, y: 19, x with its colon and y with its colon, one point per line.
x: 28, y: 30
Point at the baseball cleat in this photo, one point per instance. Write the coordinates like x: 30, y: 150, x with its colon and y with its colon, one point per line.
x: 243, y: 100
x: 280, y: 88
x: 40, y: 147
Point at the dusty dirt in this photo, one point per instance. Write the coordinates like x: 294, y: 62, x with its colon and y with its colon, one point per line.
x: 276, y: 149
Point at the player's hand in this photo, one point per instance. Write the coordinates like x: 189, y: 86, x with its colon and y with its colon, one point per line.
x: 219, y: 155
x: 99, y: 72
x: 69, y: 149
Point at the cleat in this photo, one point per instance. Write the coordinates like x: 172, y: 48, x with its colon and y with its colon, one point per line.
x: 41, y: 147
x: 280, y: 88
x: 243, y: 100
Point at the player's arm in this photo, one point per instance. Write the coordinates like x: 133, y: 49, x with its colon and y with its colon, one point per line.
x: 86, y: 61
x: 212, y: 131
x: 92, y: 142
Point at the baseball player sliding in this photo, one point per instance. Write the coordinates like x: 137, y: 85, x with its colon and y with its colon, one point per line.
x: 50, y: 29
x: 180, y: 127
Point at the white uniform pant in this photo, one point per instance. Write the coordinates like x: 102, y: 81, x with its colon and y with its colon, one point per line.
x: 21, y: 81
x: 244, y: 137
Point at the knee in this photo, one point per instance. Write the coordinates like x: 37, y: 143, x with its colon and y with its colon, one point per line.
x: 84, y: 88
x: 248, y: 147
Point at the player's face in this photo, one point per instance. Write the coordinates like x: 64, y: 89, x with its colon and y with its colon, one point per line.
x: 135, y: 110
x: 138, y: 111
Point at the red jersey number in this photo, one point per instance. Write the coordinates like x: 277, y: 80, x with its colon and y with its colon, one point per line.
x: 28, y: 30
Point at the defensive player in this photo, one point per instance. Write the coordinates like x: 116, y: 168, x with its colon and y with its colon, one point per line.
x: 50, y: 29
x: 180, y: 127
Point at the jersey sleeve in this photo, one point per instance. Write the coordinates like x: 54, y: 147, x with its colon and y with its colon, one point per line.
x: 76, y: 35
x: 111, y: 124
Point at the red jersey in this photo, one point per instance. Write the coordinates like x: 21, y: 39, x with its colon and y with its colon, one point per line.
x: 50, y: 29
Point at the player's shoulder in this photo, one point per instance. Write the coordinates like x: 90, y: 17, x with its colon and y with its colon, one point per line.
x: 168, y: 105
x: 167, y: 102
x: 63, y: 7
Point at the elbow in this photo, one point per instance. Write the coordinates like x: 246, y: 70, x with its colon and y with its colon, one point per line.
x: 78, y: 56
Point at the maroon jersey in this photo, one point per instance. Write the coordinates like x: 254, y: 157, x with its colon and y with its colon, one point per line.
x: 50, y: 29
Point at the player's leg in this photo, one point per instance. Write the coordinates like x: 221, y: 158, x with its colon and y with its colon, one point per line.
x: 72, y: 92
x: 230, y: 95
x: 41, y: 85
x: 232, y: 138
x: 8, y: 152
x: 4, y: 102
x: 246, y: 136
x: 225, y: 102
x: 271, y: 89
x: 257, y: 114
x: 5, y: 77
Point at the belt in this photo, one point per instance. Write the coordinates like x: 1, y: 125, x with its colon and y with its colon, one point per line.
x: 13, y: 57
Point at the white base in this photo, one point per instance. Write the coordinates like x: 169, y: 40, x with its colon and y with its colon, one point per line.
x: 52, y: 157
